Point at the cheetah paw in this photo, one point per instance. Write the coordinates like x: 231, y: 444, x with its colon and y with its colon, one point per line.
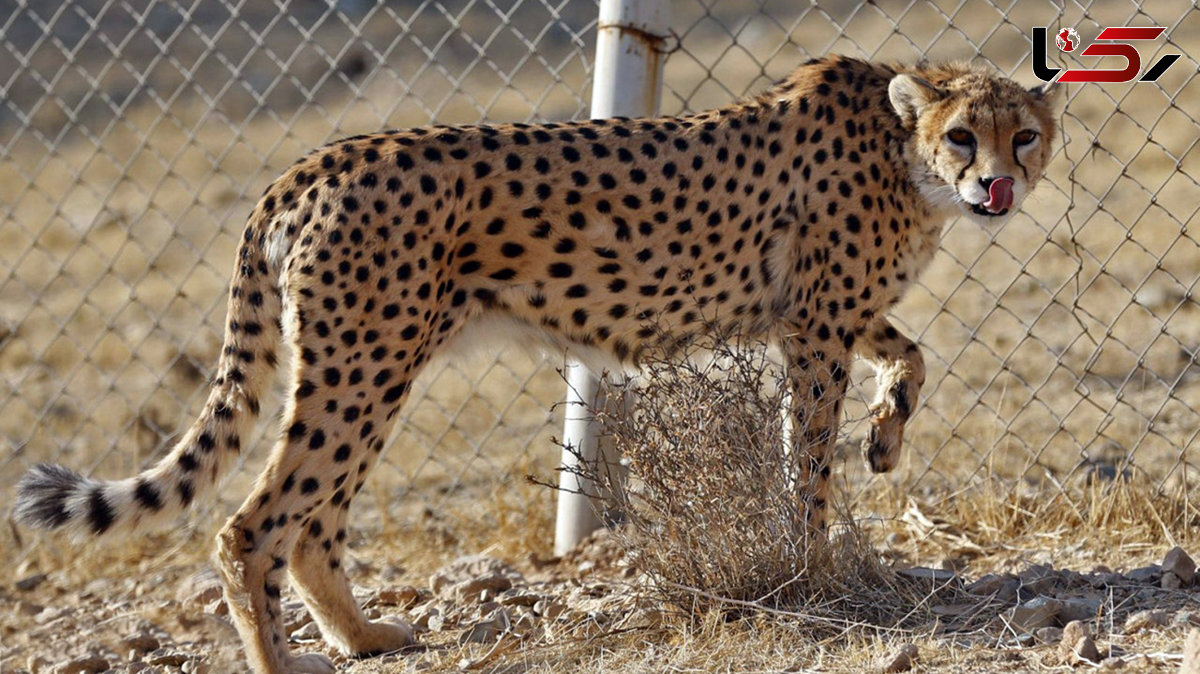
x: 384, y: 636
x: 881, y: 448
x: 310, y: 663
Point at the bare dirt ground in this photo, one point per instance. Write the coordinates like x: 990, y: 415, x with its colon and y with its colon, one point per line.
x: 159, y: 609
x: 1055, y: 446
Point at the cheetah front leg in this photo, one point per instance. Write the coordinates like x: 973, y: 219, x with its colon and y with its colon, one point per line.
x: 816, y: 379
x: 900, y: 373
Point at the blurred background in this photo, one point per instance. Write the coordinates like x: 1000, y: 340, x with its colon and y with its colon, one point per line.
x: 135, y: 136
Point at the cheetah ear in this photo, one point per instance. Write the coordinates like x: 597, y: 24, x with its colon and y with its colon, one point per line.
x: 1053, y: 95
x: 909, y: 94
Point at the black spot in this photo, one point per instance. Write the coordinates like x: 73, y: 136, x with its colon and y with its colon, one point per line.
x: 100, y: 513
x: 147, y: 494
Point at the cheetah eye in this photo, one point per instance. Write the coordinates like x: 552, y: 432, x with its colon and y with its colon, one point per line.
x: 961, y: 136
x: 1024, y: 137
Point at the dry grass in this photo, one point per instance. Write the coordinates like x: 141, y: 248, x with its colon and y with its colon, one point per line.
x: 715, y: 509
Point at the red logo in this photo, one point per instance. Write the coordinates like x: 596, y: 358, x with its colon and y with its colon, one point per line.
x: 1110, y: 42
x: 1067, y: 39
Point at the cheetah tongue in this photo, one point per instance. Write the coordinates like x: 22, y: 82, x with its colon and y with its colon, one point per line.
x: 1000, y: 195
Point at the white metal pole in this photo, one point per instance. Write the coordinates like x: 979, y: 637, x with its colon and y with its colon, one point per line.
x: 628, y: 83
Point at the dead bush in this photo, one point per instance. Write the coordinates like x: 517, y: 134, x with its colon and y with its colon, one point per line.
x: 714, y: 514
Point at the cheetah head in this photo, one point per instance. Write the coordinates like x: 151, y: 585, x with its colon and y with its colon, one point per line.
x: 979, y: 142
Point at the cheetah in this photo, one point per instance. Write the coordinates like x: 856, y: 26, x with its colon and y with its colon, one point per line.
x: 800, y: 216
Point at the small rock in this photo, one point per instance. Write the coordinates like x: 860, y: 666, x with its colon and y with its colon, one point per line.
x: 1049, y: 635
x: 1037, y: 580
x: 402, y: 596
x: 1033, y: 614
x: 142, y: 642
x: 200, y: 589
x: 1191, y: 654
x: 28, y: 608
x: 163, y: 658
x: 471, y: 575
x: 1079, y: 608
x: 1072, y: 632
x: 1186, y: 619
x: 1104, y: 580
x: 1143, y: 620
x: 902, y: 660
x: 89, y: 664
x: 30, y: 582
x: 195, y: 667
x: 518, y: 597
x: 488, y: 630
x: 1000, y: 588
x: 50, y: 613
x: 1112, y: 664
x: 548, y: 608
x: 1178, y: 563
x: 924, y: 573
x: 1077, y: 644
x: 1085, y: 650
x: 309, y: 632
x: 1145, y: 574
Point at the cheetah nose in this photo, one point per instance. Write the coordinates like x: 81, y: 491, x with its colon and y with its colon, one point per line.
x: 1000, y: 193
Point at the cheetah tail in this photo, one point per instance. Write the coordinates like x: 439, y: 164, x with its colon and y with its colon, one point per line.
x: 54, y: 497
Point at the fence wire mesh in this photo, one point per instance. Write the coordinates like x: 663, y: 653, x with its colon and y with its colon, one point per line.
x: 136, y: 134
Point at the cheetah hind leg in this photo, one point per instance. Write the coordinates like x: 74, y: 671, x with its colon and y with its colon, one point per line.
x: 320, y: 579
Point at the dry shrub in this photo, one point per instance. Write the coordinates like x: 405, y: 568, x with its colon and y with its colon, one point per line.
x: 714, y: 512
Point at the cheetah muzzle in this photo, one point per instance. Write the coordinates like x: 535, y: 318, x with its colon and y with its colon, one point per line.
x: 799, y: 216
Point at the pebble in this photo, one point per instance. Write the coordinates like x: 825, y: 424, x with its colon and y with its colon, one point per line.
x: 1037, y: 580
x: 1145, y: 574
x: 1000, y: 588
x: 1077, y: 644
x: 200, y: 589
x: 1178, y: 563
x: 902, y: 660
x: 309, y: 632
x: 89, y: 664
x: 519, y: 597
x: 548, y: 608
x: 1186, y: 619
x: 30, y: 582
x: 470, y: 575
x: 1147, y: 619
x: 488, y: 630
x: 402, y: 596
x: 28, y: 608
x: 141, y: 642
x: 1033, y: 614
x: 1079, y: 608
x: 167, y: 659
x: 1049, y: 635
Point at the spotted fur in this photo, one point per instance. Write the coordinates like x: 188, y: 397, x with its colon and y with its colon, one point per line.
x: 800, y: 216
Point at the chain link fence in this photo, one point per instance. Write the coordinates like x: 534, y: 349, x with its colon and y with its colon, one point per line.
x: 136, y: 134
